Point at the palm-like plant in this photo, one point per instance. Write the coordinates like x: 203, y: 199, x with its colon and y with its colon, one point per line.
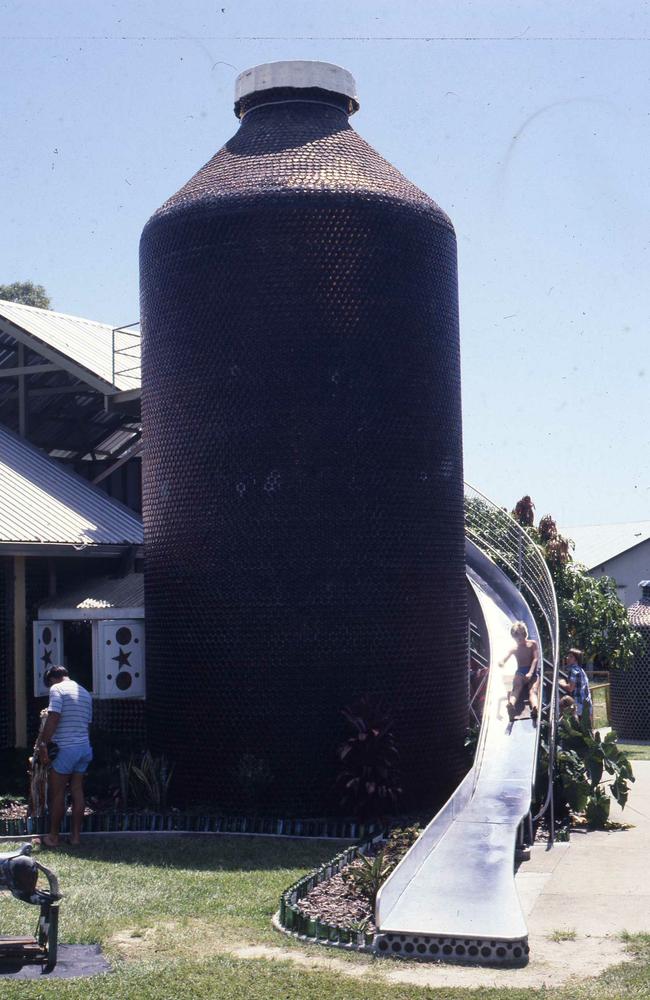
x: 369, y: 776
x: 145, y: 781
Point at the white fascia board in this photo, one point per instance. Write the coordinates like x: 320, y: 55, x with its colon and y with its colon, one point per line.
x: 88, y: 614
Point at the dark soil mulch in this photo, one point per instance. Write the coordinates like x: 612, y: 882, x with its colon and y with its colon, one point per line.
x: 336, y: 902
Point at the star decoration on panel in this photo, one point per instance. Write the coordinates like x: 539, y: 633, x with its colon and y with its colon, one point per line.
x: 122, y: 659
x: 121, y: 667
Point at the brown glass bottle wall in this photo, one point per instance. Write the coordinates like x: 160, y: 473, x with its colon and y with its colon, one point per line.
x: 303, y: 489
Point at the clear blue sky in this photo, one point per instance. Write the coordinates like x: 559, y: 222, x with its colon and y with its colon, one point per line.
x: 529, y: 122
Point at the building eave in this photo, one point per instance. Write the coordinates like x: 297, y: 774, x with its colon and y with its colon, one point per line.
x: 44, y: 549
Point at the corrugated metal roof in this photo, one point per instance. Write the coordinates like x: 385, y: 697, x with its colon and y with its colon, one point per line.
x: 595, y: 544
x: 102, y: 592
x: 40, y: 501
x: 87, y: 343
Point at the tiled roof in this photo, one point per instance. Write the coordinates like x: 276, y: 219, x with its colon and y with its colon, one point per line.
x: 639, y: 614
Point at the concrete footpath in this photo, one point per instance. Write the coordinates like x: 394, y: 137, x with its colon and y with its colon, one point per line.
x: 596, y: 886
x: 598, y: 883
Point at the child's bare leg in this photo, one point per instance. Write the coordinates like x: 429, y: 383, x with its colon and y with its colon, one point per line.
x: 517, y: 684
x: 514, y: 695
x: 533, y: 698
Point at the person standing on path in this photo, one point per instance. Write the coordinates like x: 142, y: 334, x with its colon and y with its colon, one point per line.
x: 69, y: 714
x: 577, y: 684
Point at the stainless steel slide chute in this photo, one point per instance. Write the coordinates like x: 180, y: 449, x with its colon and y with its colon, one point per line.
x: 453, y: 896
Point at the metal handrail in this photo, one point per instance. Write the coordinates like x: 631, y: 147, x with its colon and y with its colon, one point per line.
x: 129, y: 352
x: 506, y: 542
x: 483, y: 662
x: 480, y: 688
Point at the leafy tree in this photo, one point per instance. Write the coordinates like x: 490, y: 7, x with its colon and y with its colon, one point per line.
x: 593, y: 618
x: 591, y: 615
x: 27, y: 293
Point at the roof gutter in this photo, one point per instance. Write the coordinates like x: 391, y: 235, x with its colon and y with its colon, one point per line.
x: 36, y: 549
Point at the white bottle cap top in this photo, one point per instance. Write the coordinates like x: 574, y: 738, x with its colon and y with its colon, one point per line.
x: 299, y: 74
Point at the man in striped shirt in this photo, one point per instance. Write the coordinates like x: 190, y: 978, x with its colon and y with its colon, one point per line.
x: 69, y: 714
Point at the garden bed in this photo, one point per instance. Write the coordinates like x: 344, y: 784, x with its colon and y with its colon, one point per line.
x: 335, y: 903
x: 300, y: 917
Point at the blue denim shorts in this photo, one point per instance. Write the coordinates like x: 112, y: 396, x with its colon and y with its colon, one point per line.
x: 73, y: 760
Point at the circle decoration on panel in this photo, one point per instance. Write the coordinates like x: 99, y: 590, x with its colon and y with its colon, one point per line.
x: 120, y: 663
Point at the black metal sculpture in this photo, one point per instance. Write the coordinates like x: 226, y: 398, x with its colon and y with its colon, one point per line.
x: 19, y: 875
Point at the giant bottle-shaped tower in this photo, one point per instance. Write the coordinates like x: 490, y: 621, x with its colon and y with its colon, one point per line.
x: 303, y: 500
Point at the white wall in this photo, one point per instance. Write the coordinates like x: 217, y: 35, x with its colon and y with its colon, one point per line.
x: 628, y: 569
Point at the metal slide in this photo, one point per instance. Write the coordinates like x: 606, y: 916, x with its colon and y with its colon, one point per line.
x: 453, y: 897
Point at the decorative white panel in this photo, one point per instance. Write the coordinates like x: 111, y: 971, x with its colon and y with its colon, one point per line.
x: 48, y: 651
x: 119, y: 658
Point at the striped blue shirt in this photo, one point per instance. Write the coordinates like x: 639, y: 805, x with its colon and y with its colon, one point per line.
x: 75, y: 706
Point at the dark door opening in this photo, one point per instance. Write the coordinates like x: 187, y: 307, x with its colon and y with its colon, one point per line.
x: 78, y: 647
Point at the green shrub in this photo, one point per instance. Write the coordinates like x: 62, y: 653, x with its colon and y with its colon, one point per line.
x: 144, y: 782
x: 367, y: 874
x: 589, y: 767
x: 369, y: 777
x: 591, y: 615
x: 588, y: 771
x: 109, y: 751
x: 597, y: 811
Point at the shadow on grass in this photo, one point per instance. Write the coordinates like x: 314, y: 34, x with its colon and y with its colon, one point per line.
x: 208, y: 853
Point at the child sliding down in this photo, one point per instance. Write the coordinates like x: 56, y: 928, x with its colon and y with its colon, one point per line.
x: 526, y: 653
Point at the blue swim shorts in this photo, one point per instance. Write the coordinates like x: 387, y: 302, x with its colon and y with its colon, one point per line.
x: 73, y: 760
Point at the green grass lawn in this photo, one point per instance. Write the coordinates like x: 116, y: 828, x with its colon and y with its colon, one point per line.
x: 167, y: 911
x: 601, y: 718
x: 636, y: 751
